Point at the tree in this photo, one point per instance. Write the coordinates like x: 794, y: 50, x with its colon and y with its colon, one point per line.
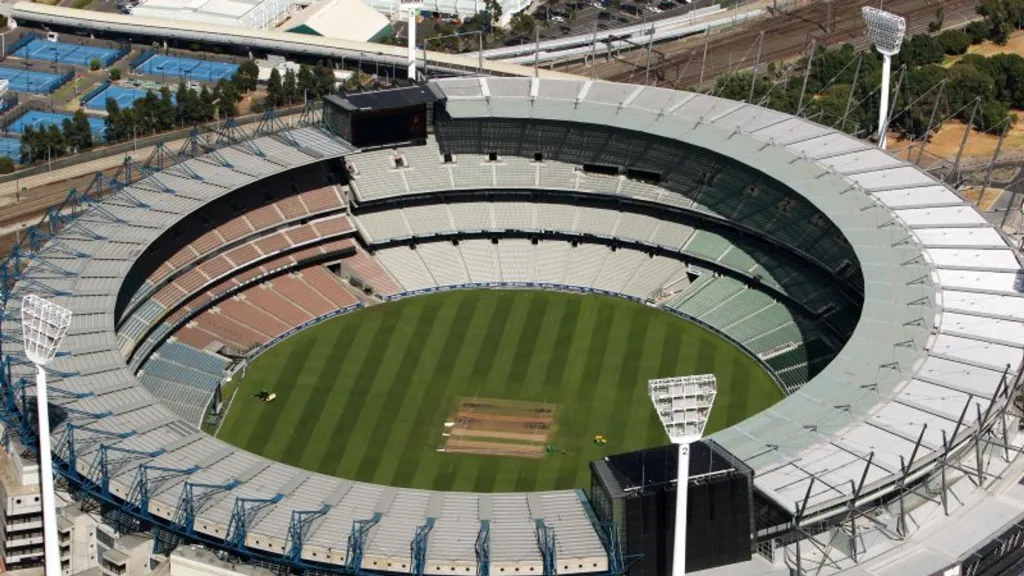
x: 920, y: 50
x: 117, y: 128
x: 290, y: 88
x: 977, y: 31
x: 324, y: 80
x: 246, y: 75
x: 205, y: 104
x: 522, y: 25
x: 164, y: 110
x: 1000, y: 19
x: 115, y: 74
x: 78, y: 132
x: 29, y: 140
x: 967, y: 83
x: 954, y: 42
x: 274, y: 90
x: 1007, y: 71
x: 226, y: 96
x: 306, y: 80
x: 7, y: 165
x: 493, y: 8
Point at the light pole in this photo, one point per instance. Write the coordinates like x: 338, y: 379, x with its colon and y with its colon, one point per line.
x: 683, y: 404
x: 886, y: 31
x: 412, y: 7
x: 43, y: 326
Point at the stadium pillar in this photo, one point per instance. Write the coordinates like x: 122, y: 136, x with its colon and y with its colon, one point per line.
x: 683, y: 405
x: 411, y: 33
x: 886, y: 31
x: 43, y: 326
x: 682, y: 501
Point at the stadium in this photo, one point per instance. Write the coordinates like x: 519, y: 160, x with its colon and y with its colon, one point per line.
x: 864, y: 319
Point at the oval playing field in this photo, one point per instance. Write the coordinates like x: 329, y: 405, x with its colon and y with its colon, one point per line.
x: 366, y: 396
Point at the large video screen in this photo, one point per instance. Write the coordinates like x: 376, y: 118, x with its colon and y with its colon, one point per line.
x: 380, y: 127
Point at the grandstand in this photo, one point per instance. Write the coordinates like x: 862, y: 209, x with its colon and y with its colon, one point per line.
x: 838, y: 267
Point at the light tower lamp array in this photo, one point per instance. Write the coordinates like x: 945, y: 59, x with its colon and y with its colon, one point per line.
x: 43, y: 327
x: 683, y: 405
x: 886, y: 31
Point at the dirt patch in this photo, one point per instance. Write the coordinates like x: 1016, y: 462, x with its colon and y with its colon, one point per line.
x: 945, y: 142
x: 499, y: 427
x: 495, y: 448
x: 984, y: 202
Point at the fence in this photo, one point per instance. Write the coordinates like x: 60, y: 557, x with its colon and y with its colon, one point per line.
x: 138, y: 60
x: 94, y: 92
x: 21, y: 42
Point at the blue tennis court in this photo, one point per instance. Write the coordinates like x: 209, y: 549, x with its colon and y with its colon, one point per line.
x: 30, y: 80
x: 75, y: 54
x: 187, y: 68
x: 125, y: 96
x: 11, y: 147
x: 39, y: 119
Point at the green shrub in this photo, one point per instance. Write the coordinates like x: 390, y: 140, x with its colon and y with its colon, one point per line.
x: 94, y: 64
x: 115, y: 74
x: 954, y: 42
x: 6, y: 165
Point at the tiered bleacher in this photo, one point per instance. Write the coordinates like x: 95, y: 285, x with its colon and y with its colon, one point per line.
x: 857, y: 419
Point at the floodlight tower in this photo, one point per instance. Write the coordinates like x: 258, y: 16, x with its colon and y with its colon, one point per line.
x: 43, y: 326
x: 412, y: 7
x: 683, y: 404
x: 886, y: 31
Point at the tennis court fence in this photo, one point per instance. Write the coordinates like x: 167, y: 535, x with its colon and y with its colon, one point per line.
x: 20, y: 43
x: 95, y: 92
x: 138, y: 60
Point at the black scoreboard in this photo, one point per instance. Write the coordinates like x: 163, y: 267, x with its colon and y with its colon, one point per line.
x: 637, y: 492
x: 382, y: 118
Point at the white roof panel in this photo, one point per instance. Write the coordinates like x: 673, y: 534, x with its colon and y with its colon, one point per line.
x: 975, y: 280
x: 995, y: 356
x: 991, y: 304
x: 919, y: 197
x: 965, y: 237
x: 939, y: 217
x: 988, y: 259
x: 989, y: 329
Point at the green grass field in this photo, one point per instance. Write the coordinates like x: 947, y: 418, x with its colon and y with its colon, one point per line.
x: 365, y: 396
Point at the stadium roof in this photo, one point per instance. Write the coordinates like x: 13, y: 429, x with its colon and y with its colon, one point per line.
x: 347, y: 19
x: 942, y: 320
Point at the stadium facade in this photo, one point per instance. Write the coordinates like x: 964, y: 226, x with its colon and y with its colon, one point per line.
x: 887, y: 308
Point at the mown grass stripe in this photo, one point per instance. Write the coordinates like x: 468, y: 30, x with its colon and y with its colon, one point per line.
x: 576, y: 419
x: 527, y: 342
x: 320, y: 384
x: 388, y: 420
x: 268, y: 423
x: 433, y: 406
x: 489, y: 346
x: 337, y: 439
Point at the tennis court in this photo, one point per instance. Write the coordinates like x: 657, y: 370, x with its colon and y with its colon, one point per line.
x: 125, y: 96
x: 11, y: 147
x: 187, y: 68
x: 30, y: 81
x: 75, y: 54
x: 39, y: 119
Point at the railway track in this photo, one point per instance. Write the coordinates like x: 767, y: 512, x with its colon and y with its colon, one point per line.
x: 787, y: 35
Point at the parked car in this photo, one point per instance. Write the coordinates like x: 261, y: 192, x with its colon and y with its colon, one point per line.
x: 654, y: 9
x: 558, y: 19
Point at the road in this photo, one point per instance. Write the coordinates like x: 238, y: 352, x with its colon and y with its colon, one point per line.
x: 787, y: 35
